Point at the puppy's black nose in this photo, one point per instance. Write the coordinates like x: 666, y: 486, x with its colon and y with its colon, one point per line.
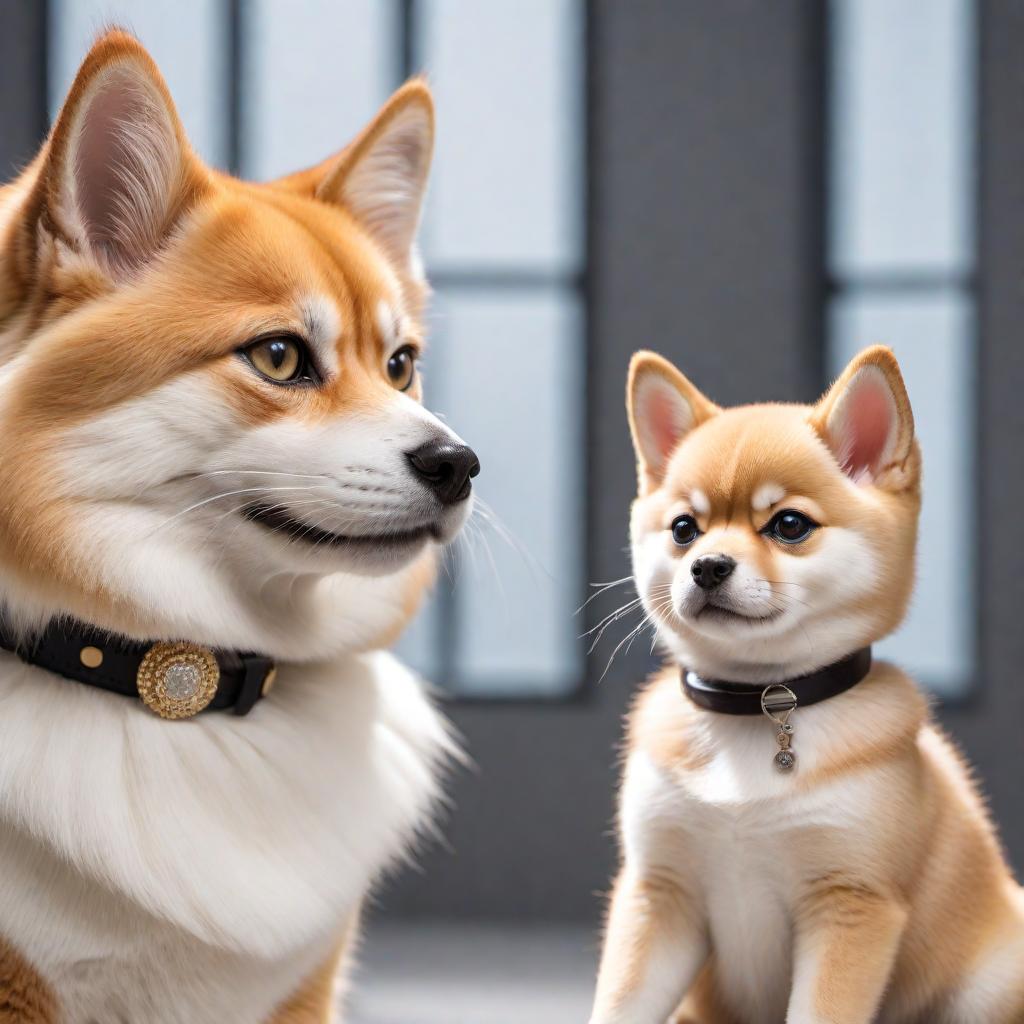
x: 709, y: 571
x: 446, y: 468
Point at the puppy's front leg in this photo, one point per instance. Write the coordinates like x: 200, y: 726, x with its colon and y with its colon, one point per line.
x: 653, y: 948
x: 846, y: 941
x: 315, y: 1000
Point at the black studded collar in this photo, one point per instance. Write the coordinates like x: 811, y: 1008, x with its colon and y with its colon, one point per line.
x: 174, y: 679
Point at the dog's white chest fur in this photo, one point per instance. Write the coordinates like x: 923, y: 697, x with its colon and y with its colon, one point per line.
x: 203, y: 867
x: 729, y: 834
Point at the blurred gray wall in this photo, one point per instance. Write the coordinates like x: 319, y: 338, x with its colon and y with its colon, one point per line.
x: 23, y: 116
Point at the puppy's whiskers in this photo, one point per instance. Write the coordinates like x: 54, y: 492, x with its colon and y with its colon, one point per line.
x: 603, y: 588
x: 660, y: 594
x: 612, y: 616
x: 780, y: 595
x: 646, y: 622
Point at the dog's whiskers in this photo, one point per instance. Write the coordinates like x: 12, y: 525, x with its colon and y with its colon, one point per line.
x: 259, y: 472
x: 482, y: 510
x: 489, y: 553
x: 227, y: 494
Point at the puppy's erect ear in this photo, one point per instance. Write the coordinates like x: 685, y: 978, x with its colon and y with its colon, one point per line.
x: 866, y: 421
x: 663, y: 408
x: 117, y: 171
x: 382, y: 176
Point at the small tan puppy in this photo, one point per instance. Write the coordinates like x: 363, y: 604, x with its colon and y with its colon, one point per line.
x: 828, y: 862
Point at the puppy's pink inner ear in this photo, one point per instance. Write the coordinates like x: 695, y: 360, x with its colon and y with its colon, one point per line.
x: 864, y: 425
x: 665, y: 422
x: 667, y: 418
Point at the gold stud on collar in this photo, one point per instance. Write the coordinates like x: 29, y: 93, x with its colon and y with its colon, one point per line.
x: 268, y: 682
x: 91, y: 657
x: 177, y: 680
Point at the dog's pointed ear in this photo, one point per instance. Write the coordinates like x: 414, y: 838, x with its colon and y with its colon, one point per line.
x: 381, y: 178
x: 117, y: 171
x: 663, y: 408
x: 866, y: 420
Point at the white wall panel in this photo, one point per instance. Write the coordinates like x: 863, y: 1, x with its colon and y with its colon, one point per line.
x: 315, y: 71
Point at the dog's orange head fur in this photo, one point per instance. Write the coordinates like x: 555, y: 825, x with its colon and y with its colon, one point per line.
x: 774, y: 538
x: 182, y: 350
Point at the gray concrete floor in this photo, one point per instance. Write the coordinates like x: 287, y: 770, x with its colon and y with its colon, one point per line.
x: 443, y: 973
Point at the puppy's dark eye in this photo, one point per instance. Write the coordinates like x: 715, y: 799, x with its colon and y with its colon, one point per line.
x: 685, y: 530
x: 402, y: 368
x: 790, y: 526
x: 282, y: 359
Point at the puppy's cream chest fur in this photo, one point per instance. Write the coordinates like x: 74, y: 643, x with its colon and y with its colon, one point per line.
x: 735, y: 834
x: 215, y: 859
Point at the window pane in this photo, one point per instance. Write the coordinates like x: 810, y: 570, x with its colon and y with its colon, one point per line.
x: 507, y: 178
x: 933, y: 337
x: 506, y: 372
x: 314, y: 72
x: 902, y: 116
x: 188, y: 40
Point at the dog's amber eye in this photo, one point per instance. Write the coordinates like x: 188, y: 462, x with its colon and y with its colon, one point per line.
x: 281, y: 359
x: 790, y: 526
x: 685, y: 530
x: 402, y: 368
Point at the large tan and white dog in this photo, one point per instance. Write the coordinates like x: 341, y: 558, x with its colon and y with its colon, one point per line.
x: 212, y: 432
x: 865, y: 883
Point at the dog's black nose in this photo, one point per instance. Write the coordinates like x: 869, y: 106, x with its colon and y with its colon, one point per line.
x: 709, y: 571
x: 446, y: 468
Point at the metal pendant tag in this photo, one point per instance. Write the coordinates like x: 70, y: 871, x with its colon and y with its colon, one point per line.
x: 778, y: 702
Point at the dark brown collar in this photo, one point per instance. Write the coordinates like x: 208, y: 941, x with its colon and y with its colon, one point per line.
x: 174, y: 679
x: 728, y: 698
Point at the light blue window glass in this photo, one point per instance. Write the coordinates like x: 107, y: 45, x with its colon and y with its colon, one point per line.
x: 508, y: 175
x: 901, y: 147
x: 508, y: 371
x: 313, y: 73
